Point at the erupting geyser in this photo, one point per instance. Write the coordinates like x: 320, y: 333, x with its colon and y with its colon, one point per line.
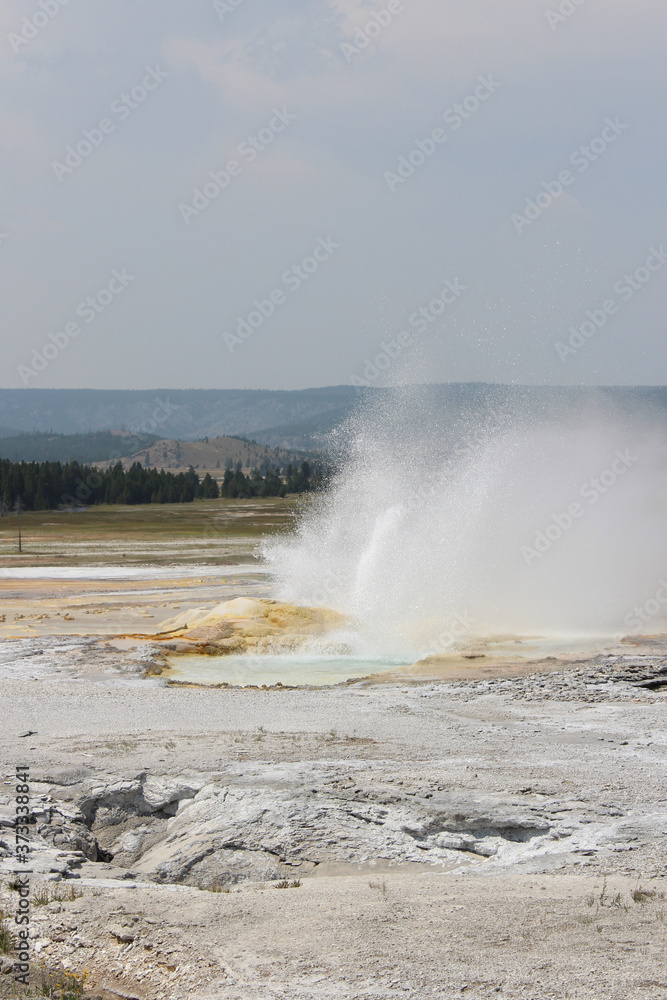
x: 522, y: 514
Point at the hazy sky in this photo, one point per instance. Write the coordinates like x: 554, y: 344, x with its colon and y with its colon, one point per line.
x: 112, y: 113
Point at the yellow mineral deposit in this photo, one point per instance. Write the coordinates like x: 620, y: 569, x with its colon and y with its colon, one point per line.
x: 245, y: 625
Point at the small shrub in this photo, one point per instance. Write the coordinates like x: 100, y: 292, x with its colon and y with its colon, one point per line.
x: 215, y: 886
x: 608, y: 901
x: 63, y: 986
x: 646, y: 895
x: 603, y: 894
x: 286, y: 884
x: 68, y: 895
x: 6, y: 936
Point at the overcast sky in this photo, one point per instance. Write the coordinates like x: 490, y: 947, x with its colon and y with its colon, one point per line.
x: 311, y: 104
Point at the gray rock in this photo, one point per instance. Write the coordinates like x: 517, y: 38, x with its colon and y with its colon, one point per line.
x: 160, y: 793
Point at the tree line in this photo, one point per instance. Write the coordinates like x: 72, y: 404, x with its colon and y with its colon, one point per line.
x: 50, y: 485
x: 272, y: 483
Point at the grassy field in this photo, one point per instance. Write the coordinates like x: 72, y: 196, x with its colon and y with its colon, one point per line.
x: 207, y: 531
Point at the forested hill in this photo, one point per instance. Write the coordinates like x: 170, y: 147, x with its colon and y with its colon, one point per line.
x: 99, y: 446
x: 209, y: 455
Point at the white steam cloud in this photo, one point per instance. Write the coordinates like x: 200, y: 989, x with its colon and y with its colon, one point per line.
x: 446, y: 523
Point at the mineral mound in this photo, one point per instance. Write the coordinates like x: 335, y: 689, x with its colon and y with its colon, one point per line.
x: 245, y: 625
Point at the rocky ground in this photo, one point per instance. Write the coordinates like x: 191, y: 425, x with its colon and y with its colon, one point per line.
x: 498, y: 836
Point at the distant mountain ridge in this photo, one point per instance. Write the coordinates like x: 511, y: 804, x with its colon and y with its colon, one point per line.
x: 288, y: 419
x: 188, y: 414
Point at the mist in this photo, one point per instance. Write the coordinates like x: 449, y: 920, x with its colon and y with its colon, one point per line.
x: 442, y: 526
